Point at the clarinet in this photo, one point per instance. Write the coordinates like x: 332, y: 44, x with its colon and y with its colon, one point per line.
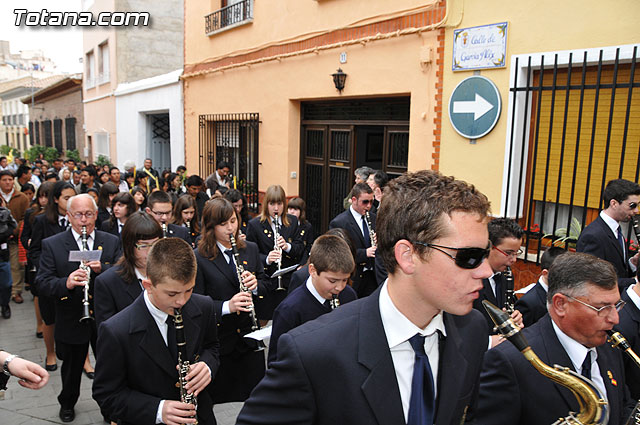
x: 239, y: 271
x: 164, y: 230
x: 276, y: 235
x: 335, y: 302
x: 617, y: 340
x: 509, y: 293
x: 86, y: 311
x: 372, y: 233
x: 183, y: 362
x: 636, y: 227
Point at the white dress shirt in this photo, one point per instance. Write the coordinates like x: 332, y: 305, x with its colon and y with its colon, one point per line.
x: 398, y: 330
x: 78, y: 237
x: 314, y: 291
x: 633, y: 296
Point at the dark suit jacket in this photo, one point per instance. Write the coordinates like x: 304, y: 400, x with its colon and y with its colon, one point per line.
x: 629, y: 327
x: 299, y: 277
x: 54, y: 270
x: 109, y: 227
x: 533, y: 305
x: 261, y: 234
x: 486, y: 293
x: 135, y: 369
x: 513, y: 392
x: 306, y: 235
x: 113, y: 294
x: 175, y: 231
x: 42, y: 229
x: 338, y: 369
x: 345, y: 221
x: 598, y: 239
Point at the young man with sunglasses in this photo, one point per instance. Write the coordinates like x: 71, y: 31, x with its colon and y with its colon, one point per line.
x: 358, y: 364
x: 353, y: 221
x: 506, y: 239
x: 583, y: 303
x: 604, y: 237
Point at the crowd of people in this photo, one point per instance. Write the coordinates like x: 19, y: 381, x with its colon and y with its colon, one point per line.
x: 380, y: 320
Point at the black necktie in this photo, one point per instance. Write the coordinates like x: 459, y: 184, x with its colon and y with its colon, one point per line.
x: 365, y: 231
x: 63, y: 223
x: 586, y: 366
x: 171, y: 337
x: 232, y: 263
x: 422, y: 402
x: 621, y: 242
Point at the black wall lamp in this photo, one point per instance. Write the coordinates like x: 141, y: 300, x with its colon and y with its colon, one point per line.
x: 338, y: 79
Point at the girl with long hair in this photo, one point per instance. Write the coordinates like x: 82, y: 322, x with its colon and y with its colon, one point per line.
x: 122, y: 206
x: 241, y: 365
x: 106, y: 194
x: 140, y: 196
x: 185, y: 213
x: 297, y: 208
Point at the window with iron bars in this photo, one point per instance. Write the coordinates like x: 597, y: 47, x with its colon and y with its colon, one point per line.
x: 575, y: 125
x: 57, y: 134
x: 70, y: 131
x: 232, y: 138
x: 232, y: 14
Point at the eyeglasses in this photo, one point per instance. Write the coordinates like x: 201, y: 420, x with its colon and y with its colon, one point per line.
x: 89, y: 215
x: 144, y: 245
x: 161, y: 214
x: 602, y: 311
x: 508, y: 253
x: 466, y: 258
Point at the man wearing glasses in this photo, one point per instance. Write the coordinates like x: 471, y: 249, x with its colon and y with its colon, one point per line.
x: 506, y: 239
x: 583, y: 303
x: 159, y: 206
x: 604, y: 237
x: 64, y: 281
x: 411, y: 352
x: 353, y: 221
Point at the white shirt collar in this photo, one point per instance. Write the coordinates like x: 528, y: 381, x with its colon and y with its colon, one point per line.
x: 633, y: 296
x: 222, y: 249
x: 397, y: 327
x: 613, y: 224
x: 576, y: 351
x: 314, y: 291
x: 158, y: 315
x: 356, y: 215
x: 139, y: 275
x: 77, y: 235
x: 544, y: 285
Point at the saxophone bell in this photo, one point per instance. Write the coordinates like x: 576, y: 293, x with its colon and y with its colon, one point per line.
x: 617, y: 340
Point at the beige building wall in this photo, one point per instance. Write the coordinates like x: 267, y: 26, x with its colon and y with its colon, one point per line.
x: 392, y: 65
x: 540, y: 26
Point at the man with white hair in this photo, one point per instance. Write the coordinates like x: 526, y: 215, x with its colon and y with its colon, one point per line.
x: 64, y: 281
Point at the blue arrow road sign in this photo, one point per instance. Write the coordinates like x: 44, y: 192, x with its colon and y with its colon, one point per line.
x: 474, y: 107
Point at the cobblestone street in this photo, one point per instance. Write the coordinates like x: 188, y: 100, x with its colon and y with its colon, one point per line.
x: 28, y: 407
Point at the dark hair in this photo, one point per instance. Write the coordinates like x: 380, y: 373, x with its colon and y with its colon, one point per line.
x: 137, y: 189
x: 299, y: 204
x: 181, y: 168
x: 502, y: 228
x: 619, y: 189
x: 212, y: 185
x: 43, y: 190
x: 194, y: 180
x: 90, y: 169
x: 182, y: 203
x: 113, y: 168
x: 274, y: 193
x: 234, y: 195
x: 163, y: 257
x: 93, y: 190
x: 414, y: 207
x: 331, y: 253
x: 140, y: 176
x: 6, y: 173
x: 381, y: 179
x: 170, y: 179
x: 139, y: 226
x: 124, y: 198
x: 103, y: 195
x: 22, y: 170
x: 572, y: 271
x: 223, y: 164
x: 216, y: 211
x: 27, y: 186
x: 549, y: 256
x: 52, y: 175
x: 342, y: 233
x: 158, y: 197
x: 51, y: 209
x: 360, y: 188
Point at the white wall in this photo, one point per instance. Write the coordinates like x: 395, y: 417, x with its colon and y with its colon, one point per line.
x: 134, y: 101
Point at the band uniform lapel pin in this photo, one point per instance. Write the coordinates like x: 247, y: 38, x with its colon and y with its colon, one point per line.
x: 613, y: 381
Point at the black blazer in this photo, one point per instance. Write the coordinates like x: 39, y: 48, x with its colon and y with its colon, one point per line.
x: 513, y: 392
x: 486, y: 293
x: 42, y: 229
x: 103, y: 215
x: 110, y: 227
x: 262, y: 235
x: 216, y: 279
x: 338, y: 369
x: 51, y: 279
x: 629, y: 327
x: 175, y: 231
x: 306, y: 235
x: 533, y: 305
x: 135, y: 370
x: 598, y: 239
x: 113, y: 294
x: 345, y: 221
x: 299, y: 277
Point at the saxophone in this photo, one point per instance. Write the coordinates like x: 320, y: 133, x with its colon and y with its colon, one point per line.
x: 617, y: 340
x: 86, y: 310
x: 594, y: 409
x: 509, y: 293
x: 183, y: 363
x: 372, y: 233
x: 335, y: 302
x: 276, y: 235
x: 239, y: 271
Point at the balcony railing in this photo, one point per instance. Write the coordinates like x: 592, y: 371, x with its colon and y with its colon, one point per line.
x: 228, y: 17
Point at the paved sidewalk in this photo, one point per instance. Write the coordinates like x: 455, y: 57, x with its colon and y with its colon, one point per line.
x: 28, y: 407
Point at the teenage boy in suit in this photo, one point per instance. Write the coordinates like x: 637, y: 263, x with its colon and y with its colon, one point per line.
x: 136, y: 365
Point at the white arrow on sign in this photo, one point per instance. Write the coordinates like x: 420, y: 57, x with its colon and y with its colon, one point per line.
x: 477, y: 107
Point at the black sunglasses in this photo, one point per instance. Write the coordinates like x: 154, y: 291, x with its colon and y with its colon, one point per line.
x: 466, y: 258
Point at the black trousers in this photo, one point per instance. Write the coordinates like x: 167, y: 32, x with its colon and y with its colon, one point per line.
x: 72, y: 357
